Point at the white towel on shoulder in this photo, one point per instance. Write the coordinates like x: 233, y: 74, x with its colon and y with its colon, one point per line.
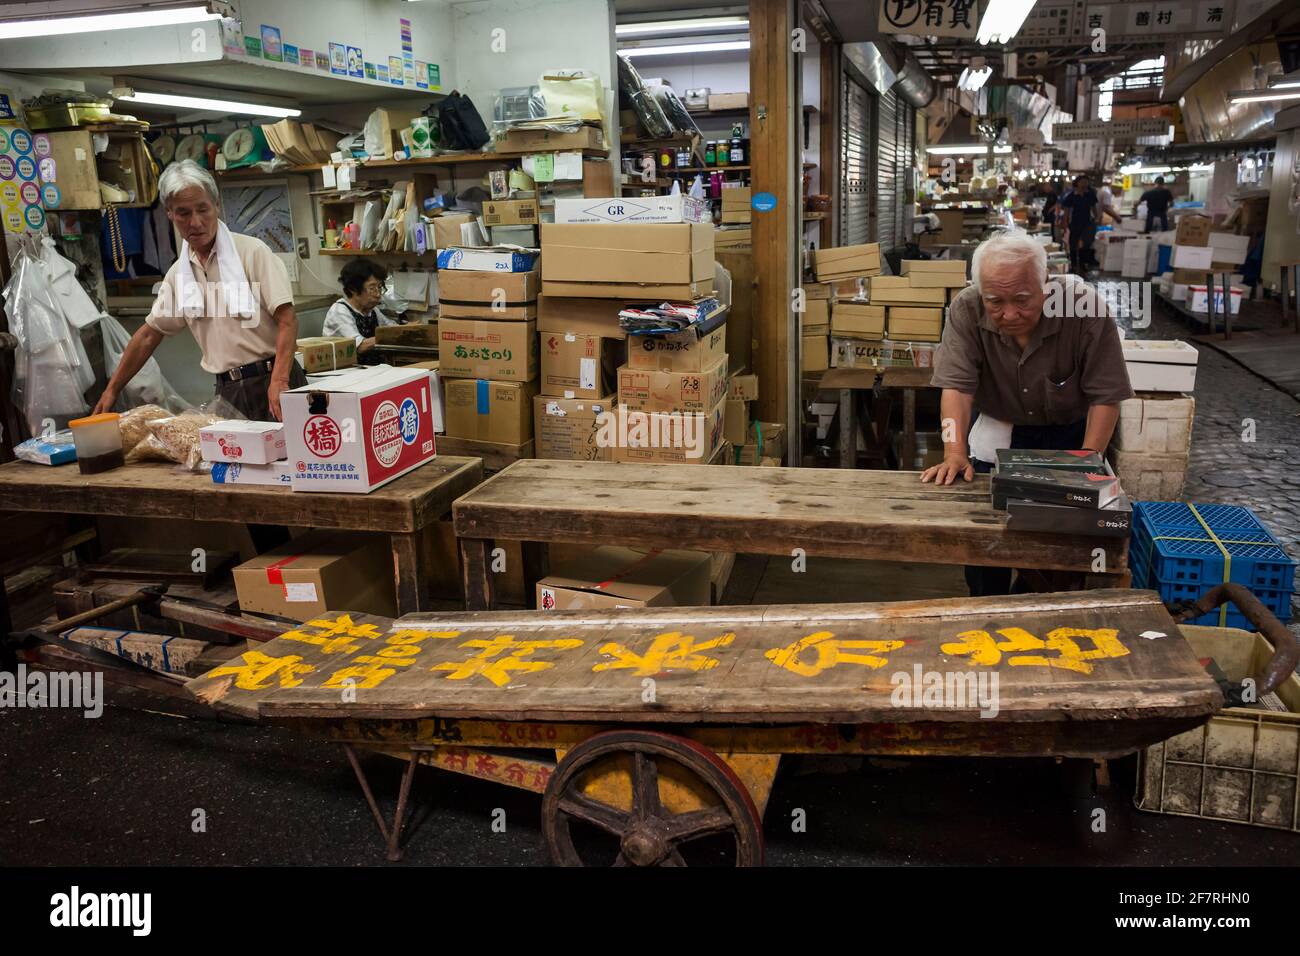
x: 236, y: 293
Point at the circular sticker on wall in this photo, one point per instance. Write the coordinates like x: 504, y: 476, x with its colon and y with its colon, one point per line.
x: 6, y: 168
x: 9, y: 194
x: 4, y: 140
x: 13, y: 220
x: 35, y: 216
x: 26, y: 167
x: 30, y: 192
x: 21, y: 141
x: 47, y: 169
x: 41, y: 145
x: 763, y: 202
x: 51, y: 196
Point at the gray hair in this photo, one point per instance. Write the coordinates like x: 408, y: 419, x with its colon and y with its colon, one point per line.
x: 185, y: 174
x: 1014, y: 245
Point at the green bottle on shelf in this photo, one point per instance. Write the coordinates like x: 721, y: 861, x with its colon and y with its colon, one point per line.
x: 710, y: 154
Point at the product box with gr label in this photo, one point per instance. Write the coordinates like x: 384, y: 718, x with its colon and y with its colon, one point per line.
x: 577, y: 365
x: 500, y: 296
x: 693, y: 349
x: 360, y: 430
x: 498, y: 351
x: 567, y: 428
x: 480, y: 410
x: 647, y: 209
x: 317, y: 572
x: 640, y: 390
x: 253, y: 443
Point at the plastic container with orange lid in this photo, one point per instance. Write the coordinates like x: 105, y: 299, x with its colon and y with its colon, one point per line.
x: 99, y: 442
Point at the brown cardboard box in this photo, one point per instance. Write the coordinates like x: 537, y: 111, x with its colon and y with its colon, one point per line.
x: 743, y: 387
x: 690, y: 350
x: 573, y: 314
x: 597, y: 179
x: 920, y: 324
x: 858, y: 320
x: 641, y: 390
x: 498, y: 351
x: 500, y: 412
x: 735, y: 425
x: 728, y: 101
x: 815, y: 352
x: 935, y: 273
x: 1189, y: 276
x: 844, y: 262
x: 501, y: 296
x: 392, y: 122
x: 736, y: 204
x: 675, y: 438
x: 568, y: 427
x: 323, y: 353
x: 604, y: 260
x: 733, y: 239
x: 578, y: 365
x: 421, y: 335
x: 446, y: 229
x: 510, y: 212
x: 1193, y: 229
x: 762, y: 440
x: 898, y: 290
x: 608, y: 577
x: 317, y: 572
x: 547, y: 141
x: 816, y: 317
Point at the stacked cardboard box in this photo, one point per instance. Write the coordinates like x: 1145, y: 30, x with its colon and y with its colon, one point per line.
x: 847, y: 262
x: 488, y: 356
x: 742, y: 391
x: 898, y: 311
x: 612, y: 577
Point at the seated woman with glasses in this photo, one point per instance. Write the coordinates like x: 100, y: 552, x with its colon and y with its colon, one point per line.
x: 357, y: 313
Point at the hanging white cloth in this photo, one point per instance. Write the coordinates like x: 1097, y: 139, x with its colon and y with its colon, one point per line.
x: 237, y: 294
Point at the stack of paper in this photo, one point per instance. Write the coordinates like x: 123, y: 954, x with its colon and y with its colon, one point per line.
x: 299, y: 143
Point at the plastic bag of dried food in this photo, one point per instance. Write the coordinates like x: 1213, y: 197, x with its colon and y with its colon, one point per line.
x: 176, y: 437
x: 134, y: 425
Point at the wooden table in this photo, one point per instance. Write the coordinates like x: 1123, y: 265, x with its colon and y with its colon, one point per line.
x: 681, y: 715
x: 847, y: 381
x: 880, y: 515
x: 401, y: 508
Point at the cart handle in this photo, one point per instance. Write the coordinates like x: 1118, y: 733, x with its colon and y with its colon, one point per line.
x: 1286, y: 649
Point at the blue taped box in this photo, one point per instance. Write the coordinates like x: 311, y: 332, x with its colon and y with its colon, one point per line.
x: 488, y: 258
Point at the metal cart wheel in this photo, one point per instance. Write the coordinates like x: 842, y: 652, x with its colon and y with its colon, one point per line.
x: 645, y: 798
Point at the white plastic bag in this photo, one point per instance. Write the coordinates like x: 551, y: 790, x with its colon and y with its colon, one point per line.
x: 149, y: 386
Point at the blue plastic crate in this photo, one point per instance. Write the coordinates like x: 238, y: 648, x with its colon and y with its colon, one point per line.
x: 1279, y: 602
x: 1173, y: 547
x: 1178, y: 514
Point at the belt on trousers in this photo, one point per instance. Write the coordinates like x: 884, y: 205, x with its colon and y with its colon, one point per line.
x: 251, y: 370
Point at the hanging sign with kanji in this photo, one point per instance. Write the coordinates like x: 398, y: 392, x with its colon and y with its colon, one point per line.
x: 931, y: 18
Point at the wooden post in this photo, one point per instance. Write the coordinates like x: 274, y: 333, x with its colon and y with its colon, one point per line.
x: 476, y: 568
x: 772, y: 122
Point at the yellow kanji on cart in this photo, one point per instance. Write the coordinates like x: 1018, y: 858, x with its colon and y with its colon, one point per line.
x: 982, y: 648
x: 829, y: 651
x: 260, y: 671
x: 670, y: 651
x: 400, y: 649
x: 334, y: 637
x: 490, y: 663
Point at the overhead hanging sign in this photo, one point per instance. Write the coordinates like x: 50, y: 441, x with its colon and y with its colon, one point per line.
x: 1049, y: 22
x: 1202, y: 18
x: 1114, y: 130
x: 931, y: 18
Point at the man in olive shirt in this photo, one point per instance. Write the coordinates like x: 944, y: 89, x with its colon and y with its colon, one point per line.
x: 1038, y: 359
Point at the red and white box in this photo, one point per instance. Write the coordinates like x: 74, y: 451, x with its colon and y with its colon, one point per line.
x: 358, y: 431
x: 248, y: 443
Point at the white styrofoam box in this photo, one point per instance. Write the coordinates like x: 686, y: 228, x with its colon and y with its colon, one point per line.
x: 1229, y: 248
x: 1192, y: 257
x: 1164, y: 238
x: 671, y: 209
x: 1200, y: 299
x: 1149, y: 477
x: 1153, y: 257
x: 1178, y: 291
x: 1112, y: 258
x: 229, y: 473
x: 253, y: 443
x: 1160, y: 365
x: 1157, y: 424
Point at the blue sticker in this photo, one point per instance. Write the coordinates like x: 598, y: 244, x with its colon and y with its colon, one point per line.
x: 763, y: 202
x: 21, y: 140
x: 409, y: 421
x: 26, y: 167
x: 35, y: 216
x: 481, y: 393
x: 51, y: 196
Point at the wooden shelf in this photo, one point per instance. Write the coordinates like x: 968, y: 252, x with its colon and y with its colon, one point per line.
x: 283, y: 170
x: 371, y: 252
x: 704, y: 169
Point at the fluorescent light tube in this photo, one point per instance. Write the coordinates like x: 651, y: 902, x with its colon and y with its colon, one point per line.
x: 1262, y: 96
x: 205, y: 103
x: 58, y: 26
x: 971, y: 80
x: 974, y: 149
x: 682, y: 26
x: 1003, y: 20
x: 684, y: 48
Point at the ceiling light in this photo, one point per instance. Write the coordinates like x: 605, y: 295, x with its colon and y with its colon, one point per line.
x: 682, y: 26
x: 972, y: 80
x: 58, y: 26
x: 684, y: 48
x: 1290, y: 81
x: 206, y: 103
x: 1137, y: 168
x: 973, y: 149
x: 1003, y: 20
x: 1262, y: 96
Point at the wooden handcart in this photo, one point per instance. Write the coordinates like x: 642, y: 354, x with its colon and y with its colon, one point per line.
x: 654, y: 734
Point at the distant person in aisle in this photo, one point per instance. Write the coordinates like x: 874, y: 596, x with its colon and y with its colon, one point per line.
x: 1080, y: 207
x: 1108, y: 209
x: 1026, y: 367
x: 231, y: 292
x: 1158, y: 200
x: 1050, y: 205
x: 357, y: 314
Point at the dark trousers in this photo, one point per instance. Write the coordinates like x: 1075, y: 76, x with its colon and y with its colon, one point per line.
x: 1162, y: 216
x: 985, y: 581
x: 1081, y: 254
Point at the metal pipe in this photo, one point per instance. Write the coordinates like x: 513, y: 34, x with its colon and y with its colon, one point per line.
x: 1286, y: 648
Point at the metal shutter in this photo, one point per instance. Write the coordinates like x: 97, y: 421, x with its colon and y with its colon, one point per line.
x: 855, y: 164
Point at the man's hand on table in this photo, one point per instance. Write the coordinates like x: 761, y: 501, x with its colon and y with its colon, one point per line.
x: 948, y: 471
x: 273, y: 396
x: 106, y: 401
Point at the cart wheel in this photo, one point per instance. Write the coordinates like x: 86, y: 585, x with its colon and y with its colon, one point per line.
x: 629, y: 820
